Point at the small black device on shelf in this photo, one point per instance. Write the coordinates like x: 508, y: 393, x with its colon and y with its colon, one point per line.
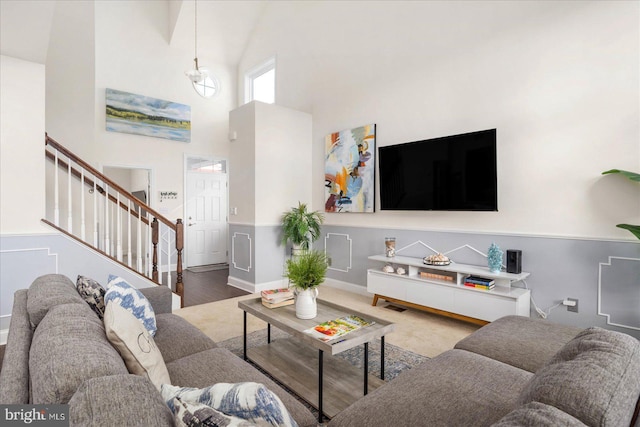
x: 514, y: 261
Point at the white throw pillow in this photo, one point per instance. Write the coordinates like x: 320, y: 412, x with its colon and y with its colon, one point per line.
x: 119, y: 291
x: 135, y: 345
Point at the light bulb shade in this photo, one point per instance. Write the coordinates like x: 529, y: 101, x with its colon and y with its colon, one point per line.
x: 196, y: 76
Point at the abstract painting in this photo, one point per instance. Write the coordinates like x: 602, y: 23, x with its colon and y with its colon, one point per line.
x: 142, y: 115
x: 349, y: 174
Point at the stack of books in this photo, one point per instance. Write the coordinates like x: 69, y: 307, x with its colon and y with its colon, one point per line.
x: 274, y: 298
x: 479, y: 283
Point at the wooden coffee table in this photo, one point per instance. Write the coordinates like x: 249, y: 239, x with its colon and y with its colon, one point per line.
x: 298, y: 362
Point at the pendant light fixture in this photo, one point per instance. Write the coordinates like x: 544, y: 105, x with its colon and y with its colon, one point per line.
x: 204, y: 83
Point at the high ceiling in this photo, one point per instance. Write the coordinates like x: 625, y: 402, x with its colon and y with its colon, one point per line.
x: 224, y: 27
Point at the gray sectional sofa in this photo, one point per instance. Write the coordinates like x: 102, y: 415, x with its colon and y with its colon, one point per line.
x: 515, y: 371
x: 57, y: 352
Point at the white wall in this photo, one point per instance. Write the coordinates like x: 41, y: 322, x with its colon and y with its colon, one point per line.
x: 125, y: 46
x: 22, y: 167
x: 559, y: 80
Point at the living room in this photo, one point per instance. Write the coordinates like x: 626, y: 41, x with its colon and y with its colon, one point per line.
x: 560, y: 81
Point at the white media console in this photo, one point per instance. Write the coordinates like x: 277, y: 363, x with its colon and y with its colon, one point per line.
x: 441, y: 289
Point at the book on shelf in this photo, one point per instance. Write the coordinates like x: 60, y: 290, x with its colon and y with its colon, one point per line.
x: 332, y: 329
x: 284, y: 303
x: 479, y: 286
x: 277, y: 295
x: 480, y: 280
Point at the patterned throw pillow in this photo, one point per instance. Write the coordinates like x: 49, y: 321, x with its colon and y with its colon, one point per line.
x: 197, y: 414
x: 249, y: 401
x: 128, y: 297
x: 135, y: 345
x: 93, y: 293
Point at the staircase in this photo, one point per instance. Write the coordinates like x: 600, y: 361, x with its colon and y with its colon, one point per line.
x: 87, y: 206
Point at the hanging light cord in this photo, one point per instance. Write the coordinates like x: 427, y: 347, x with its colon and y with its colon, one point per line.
x: 196, y: 35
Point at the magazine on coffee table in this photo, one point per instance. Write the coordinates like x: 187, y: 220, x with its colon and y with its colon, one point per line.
x: 332, y: 329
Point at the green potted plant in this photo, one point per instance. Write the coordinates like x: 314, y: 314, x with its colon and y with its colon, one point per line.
x: 305, y: 273
x: 635, y: 229
x: 301, y: 227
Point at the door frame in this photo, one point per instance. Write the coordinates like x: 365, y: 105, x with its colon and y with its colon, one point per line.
x: 185, y: 171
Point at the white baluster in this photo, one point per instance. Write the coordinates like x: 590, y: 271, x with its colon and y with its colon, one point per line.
x: 69, y: 204
x: 168, y: 257
x: 139, y: 242
x: 107, y: 241
x: 56, y: 194
x: 95, y: 213
x: 118, y: 228
x: 129, y: 232
x: 83, y: 230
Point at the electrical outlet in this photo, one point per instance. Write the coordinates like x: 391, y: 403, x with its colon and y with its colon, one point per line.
x: 575, y: 307
x: 329, y: 261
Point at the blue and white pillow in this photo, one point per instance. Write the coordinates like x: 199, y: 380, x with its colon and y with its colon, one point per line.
x: 248, y: 401
x: 131, y: 299
x: 197, y: 414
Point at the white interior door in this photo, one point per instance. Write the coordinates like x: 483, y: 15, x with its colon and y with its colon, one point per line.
x: 206, y: 221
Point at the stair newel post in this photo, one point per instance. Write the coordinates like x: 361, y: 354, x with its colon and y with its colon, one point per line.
x: 154, y: 242
x: 179, y: 248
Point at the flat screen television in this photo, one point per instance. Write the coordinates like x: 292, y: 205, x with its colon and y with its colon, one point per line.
x: 451, y: 173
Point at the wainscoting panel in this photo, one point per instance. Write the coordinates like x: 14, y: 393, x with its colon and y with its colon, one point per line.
x: 619, y: 292
x: 338, y: 249
x: 241, y: 251
x: 560, y: 268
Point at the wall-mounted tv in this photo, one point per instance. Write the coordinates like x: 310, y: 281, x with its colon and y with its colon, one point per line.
x: 451, y: 173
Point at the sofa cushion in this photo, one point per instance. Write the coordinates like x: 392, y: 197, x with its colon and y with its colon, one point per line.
x: 118, y: 400
x: 125, y: 295
x: 519, y: 341
x: 219, y: 365
x: 456, y: 388
x: 93, y: 293
x: 135, y: 345
x: 177, y: 338
x: 247, y: 401
x: 14, y: 376
x: 49, y: 291
x: 196, y: 414
x: 68, y: 347
x: 595, y: 378
x: 536, y: 414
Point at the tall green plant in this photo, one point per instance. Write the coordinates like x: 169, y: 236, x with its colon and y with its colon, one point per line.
x: 300, y: 226
x: 307, y: 270
x: 635, y: 229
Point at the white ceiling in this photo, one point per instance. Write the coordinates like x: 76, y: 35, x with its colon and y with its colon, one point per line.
x: 224, y: 27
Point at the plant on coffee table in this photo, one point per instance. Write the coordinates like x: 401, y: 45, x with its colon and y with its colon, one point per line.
x: 306, y: 272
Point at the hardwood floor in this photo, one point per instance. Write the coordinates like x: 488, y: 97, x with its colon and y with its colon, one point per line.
x: 208, y: 286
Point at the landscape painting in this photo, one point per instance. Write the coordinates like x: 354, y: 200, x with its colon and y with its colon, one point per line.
x: 142, y: 115
x: 350, y: 170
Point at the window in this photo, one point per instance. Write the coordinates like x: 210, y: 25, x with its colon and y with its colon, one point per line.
x: 260, y: 82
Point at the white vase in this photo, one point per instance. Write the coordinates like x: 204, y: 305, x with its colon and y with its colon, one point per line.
x: 306, y: 307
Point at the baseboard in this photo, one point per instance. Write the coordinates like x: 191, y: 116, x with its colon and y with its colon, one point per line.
x: 3, y: 336
x: 347, y: 286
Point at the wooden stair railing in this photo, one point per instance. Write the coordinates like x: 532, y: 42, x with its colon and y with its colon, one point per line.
x: 107, y: 194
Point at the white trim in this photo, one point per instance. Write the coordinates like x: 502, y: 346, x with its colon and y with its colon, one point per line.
x: 255, y: 287
x: 346, y: 286
x: 233, y: 251
x: 255, y: 72
x: 350, y: 251
x: 4, y: 333
x: 600, y: 313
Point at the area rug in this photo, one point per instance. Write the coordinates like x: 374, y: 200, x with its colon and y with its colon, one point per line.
x: 205, y: 268
x: 396, y: 359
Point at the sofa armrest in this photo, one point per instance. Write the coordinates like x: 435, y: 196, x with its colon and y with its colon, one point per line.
x: 519, y: 341
x: 160, y: 298
x: 14, y: 376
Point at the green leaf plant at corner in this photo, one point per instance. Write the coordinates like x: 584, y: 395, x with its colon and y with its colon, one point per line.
x: 301, y: 227
x: 635, y: 229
